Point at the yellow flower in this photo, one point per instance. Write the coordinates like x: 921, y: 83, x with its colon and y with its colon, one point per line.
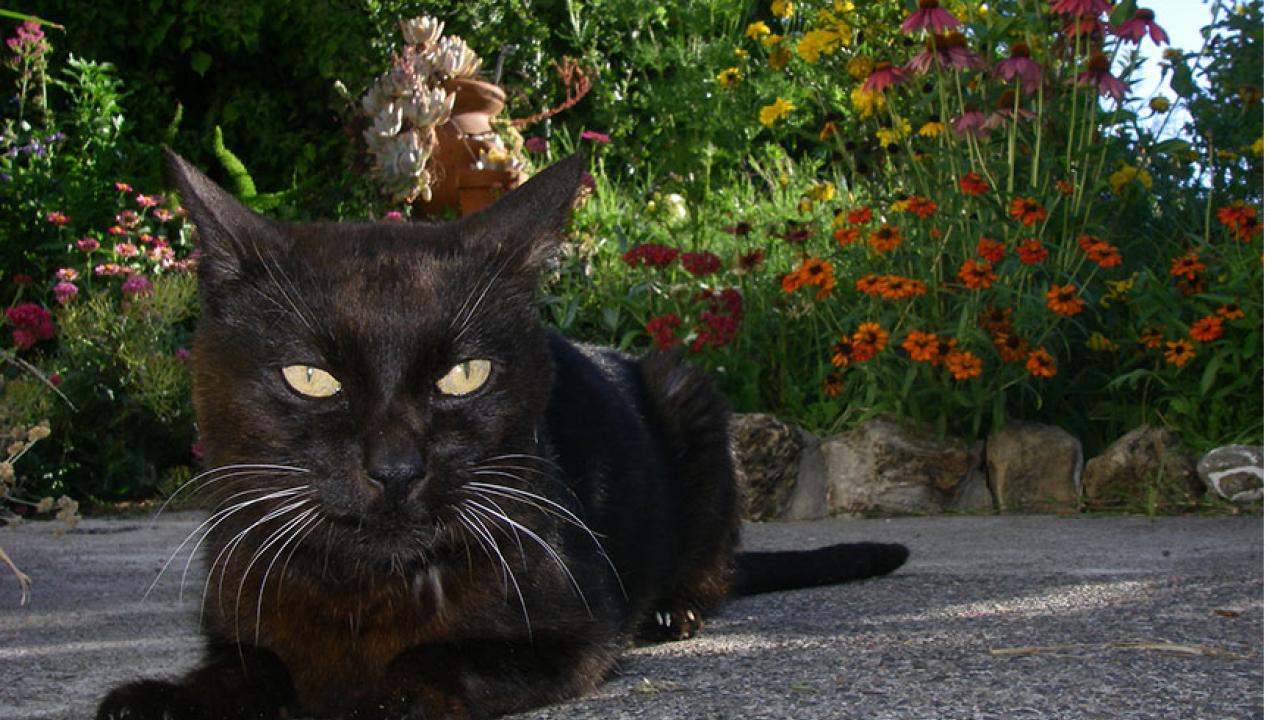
x: 758, y: 29
x: 729, y: 77
x: 867, y: 102
x: 1256, y: 147
x: 782, y: 8
x: 805, y: 206
x: 771, y: 114
x: 1127, y: 174
x: 899, y: 205
x: 771, y: 40
x: 890, y: 135
x: 837, y: 26
x: 933, y: 128
x: 817, y: 43
x: 1160, y: 104
x: 1118, y: 290
x: 858, y: 67
x: 842, y: 6
x: 822, y: 192
x: 1100, y: 343
x: 739, y: 53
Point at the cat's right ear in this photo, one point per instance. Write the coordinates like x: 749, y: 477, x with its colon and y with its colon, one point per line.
x: 230, y: 236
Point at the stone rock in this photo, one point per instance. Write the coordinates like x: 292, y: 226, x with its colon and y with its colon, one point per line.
x: 973, y: 495
x: 882, y: 467
x: 768, y: 453
x: 1234, y: 472
x: 1147, y: 457
x: 808, y: 499
x: 1033, y: 467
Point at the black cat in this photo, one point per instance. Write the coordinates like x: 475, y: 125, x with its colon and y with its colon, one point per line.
x: 427, y: 504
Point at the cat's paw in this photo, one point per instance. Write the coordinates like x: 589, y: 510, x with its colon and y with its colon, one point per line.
x: 150, y: 700
x: 672, y: 622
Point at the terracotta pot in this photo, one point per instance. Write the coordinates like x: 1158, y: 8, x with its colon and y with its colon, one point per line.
x: 463, y: 182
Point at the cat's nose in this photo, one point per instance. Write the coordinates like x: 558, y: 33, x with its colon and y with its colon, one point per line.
x: 392, y: 468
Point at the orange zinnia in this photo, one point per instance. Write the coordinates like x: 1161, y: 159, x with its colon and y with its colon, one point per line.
x: 922, y: 346
x: 848, y: 236
x: 871, y: 335
x: 833, y: 384
x: 1150, y: 339
x: 1065, y: 187
x: 1207, y: 329
x: 1179, y: 352
x: 1105, y: 254
x: 963, y: 364
x: 990, y: 250
x: 885, y: 238
x: 1027, y: 210
x: 843, y: 350
x: 896, y: 287
x: 976, y: 275
x: 1063, y: 300
x: 1188, y: 266
x: 1011, y: 347
x: 1229, y: 311
x: 1041, y: 364
x: 861, y: 216
x: 922, y: 206
x: 972, y: 184
x: 868, y: 284
x: 1241, y: 220
x: 1031, y: 251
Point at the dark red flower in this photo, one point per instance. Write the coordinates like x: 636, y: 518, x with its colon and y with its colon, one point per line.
x: 700, y: 263
x: 31, y: 324
x: 1142, y: 23
x: 751, y: 260
x: 1080, y: 7
x: 1098, y: 74
x: 663, y: 330
x: 1020, y: 65
x: 651, y: 254
x: 928, y: 16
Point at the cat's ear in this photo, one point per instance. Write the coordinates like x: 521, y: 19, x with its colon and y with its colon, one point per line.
x: 230, y: 236
x: 525, y: 224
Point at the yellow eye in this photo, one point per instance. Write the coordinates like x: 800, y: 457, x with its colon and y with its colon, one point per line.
x: 311, y: 381
x: 465, y: 377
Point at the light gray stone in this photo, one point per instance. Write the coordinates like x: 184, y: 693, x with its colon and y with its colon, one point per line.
x: 808, y: 499
x: 1234, y: 472
x: 1032, y: 467
x: 1144, y: 460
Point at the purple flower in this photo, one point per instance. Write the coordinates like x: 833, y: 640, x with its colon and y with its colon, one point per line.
x: 124, y: 187
x: 928, y: 16
x: 948, y: 50
x: 182, y: 354
x: 588, y: 181
x: 883, y: 76
x: 394, y: 215
x: 87, y: 245
x: 1142, y: 23
x: 1098, y: 74
x: 1019, y: 64
x: 595, y: 137
x: 64, y: 291
x: 1080, y: 7
x: 136, y: 285
x: 535, y: 145
x: 970, y: 121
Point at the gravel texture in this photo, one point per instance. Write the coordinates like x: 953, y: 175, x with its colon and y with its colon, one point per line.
x: 993, y: 617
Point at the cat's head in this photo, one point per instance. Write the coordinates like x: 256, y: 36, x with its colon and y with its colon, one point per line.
x: 358, y: 374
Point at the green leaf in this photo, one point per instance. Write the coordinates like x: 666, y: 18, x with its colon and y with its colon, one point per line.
x: 200, y: 62
x: 1211, y: 373
x: 1181, y: 82
x: 1173, y: 146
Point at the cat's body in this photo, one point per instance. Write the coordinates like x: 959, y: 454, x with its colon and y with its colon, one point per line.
x: 426, y: 503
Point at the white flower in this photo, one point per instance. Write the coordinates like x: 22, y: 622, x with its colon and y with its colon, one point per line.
x: 423, y: 30
x: 676, y: 211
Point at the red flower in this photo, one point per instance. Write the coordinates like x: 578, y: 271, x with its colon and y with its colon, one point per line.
x: 651, y: 254
x: 31, y: 324
x: 1027, y: 210
x: 928, y: 16
x: 700, y: 263
x: 663, y: 330
x: 974, y: 185
x: 1098, y: 74
x: 976, y: 275
x: 1142, y: 23
x: 595, y: 137
x: 751, y: 260
x: 990, y: 250
x: 861, y: 216
x: 921, y: 206
x: 1080, y: 7
x: 884, y: 76
x: 1030, y: 251
x: 1019, y: 64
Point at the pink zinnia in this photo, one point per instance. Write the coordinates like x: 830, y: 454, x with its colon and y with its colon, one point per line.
x: 1099, y: 75
x: 126, y: 250
x: 87, y: 245
x: 595, y: 137
x: 147, y: 201
x: 124, y: 187
x: 700, y: 263
x: 128, y: 219
x: 64, y: 291
x: 1019, y: 64
x: 58, y: 218
x: 883, y: 76
x: 1080, y: 7
x: 117, y: 230
x: 68, y: 274
x: 163, y: 215
x: 928, y: 16
x: 1142, y: 23
x: 31, y: 324
x: 136, y: 285
x: 110, y: 270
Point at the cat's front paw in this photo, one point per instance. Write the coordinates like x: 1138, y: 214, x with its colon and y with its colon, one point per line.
x: 672, y: 622
x: 150, y: 700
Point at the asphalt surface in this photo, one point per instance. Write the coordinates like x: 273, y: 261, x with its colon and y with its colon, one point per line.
x: 993, y: 617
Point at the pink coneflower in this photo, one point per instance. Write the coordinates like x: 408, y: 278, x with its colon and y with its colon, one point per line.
x: 136, y: 285
x: 58, y: 218
x: 1142, y: 23
x: 124, y: 187
x: 970, y: 121
x: 67, y: 274
x: 949, y: 50
x: 1087, y: 25
x: 928, y: 16
x: 1080, y: 7
x: 1019, y: 64
x: 87, y: 245
x: 595, y: 137
x: 883, y: 76
x: 1098, y: 74
x: 1004, y: 111
x: 64, y: 291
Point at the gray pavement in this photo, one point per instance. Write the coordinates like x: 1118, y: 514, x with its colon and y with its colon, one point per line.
x: 993, y: 617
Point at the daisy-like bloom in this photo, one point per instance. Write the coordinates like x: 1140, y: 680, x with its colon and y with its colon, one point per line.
x: 1106, y: 255
x: 1241, y: 220
x: 782, y: 8
x: 929, y: 17
x: 770, y: 114
x: 847, y: 236
x: 948, y: 51
x: 963, y: 364
x: 147, y: 201
x: 844, y: 351
x: 885, y: 238
x: 996, y: 320
x: 1142, y: 23
x: 883, y: 76
x: 700, y: 263
x: 87, y: 245
x: 1080, y: 7
x: 1187, y: 266
x: 1087, y: 25
x: 596, y: 137
x: 797, y: 233
x: 868, y: 284
x: 869, y: 340
x: 1065, y: 187
x: 812, y: 271
x: 1150, y: 338
x: 896, y: 287
x: 866, y: 102
x: 1206, y: 329
x: 1010, y: 347
x: 922, y: 346
x: 650, y: 254
x: 932, y: 128
x: 921, y: 206
x: 990, y: 250
x: 751, y: 260
x: 833, y: 384
x: 1027, y: 210
x: 976, y: 275
x: 64, y: 291
x: 816, y: 43
x: 67, y: 274
x: 861, y: 216
x: 1098, y: 74
x: 1179, y: 352
x: 1229, y: 311
x: 758, y: 29
x: 58, y: 218
x: 1041, y: 364
x: 1005, y: 105
x: 972, y: 184
x: 970, y: 121
x: 136, y: 285
x: 663, y: 330
x: 117, y: 230
x: 821, y: 192
x: 124, y: 187
x: 729, y: 77
x: 1020, y: 65
x: 1063, y: 301
x: 126, y: 250
x: 1031, y: 251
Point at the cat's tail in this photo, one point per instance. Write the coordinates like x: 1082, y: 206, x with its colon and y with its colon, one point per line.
x: 761, y: 572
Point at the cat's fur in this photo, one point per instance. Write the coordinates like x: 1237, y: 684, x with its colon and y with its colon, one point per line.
x: 428, y: 555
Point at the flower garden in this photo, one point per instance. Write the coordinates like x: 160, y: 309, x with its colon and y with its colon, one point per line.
x: 949, y: 211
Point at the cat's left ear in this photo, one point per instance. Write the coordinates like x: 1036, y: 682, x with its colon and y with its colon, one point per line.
x: 525, y: 224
